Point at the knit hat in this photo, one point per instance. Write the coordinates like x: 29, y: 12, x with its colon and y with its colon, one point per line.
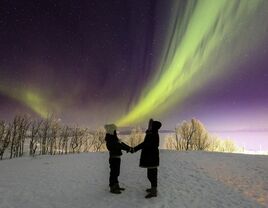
x: 110, y: 128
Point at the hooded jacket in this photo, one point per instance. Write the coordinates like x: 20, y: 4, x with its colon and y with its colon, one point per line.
x: 149, y: 147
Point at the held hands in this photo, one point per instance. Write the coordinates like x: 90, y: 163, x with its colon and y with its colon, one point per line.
x: 131, y: 150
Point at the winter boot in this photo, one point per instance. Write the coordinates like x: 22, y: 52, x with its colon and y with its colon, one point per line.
x: 148, y: 190
x: 152, y: 193
x: 114, y: 189
x: 119, y: 188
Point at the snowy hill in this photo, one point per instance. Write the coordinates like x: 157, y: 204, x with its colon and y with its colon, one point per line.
x: 186, y: 179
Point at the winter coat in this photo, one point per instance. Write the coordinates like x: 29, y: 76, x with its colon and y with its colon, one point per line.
x: 114, y: 145
x: 149, y: 147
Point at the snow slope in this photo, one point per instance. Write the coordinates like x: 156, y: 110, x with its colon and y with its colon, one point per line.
x: 186, y: 179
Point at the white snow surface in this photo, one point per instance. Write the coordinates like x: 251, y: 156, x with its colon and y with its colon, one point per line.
x: 185, y: 179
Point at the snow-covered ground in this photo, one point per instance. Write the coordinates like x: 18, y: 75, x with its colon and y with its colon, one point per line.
x: 186, y: 179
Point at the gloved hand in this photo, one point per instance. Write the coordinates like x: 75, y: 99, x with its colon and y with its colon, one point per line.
x: 129, y: 150
x: 132, y: 150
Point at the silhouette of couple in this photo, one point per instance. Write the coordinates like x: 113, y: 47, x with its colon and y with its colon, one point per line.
x: 149, y: 156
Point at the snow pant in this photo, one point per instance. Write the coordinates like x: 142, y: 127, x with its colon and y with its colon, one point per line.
x: 152, y: 176
x: 114, y: 170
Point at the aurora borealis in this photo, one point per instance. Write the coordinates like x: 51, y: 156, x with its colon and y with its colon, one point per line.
x: 206, y: 25
x: 93, y: 62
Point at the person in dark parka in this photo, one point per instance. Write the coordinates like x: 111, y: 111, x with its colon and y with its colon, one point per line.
x: 150, y: 155
x: 114, y: 146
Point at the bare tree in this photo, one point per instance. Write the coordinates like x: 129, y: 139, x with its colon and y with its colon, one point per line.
x: 77, y: 139
x: 5, y: 134
x: 64, y: 136
x: 136, y: 137
x: 169, y: 142
x: 189, y: 135
x: 34, y: 136
x: 228, y: 146
x: 185, y: 132
x: 14, y: 134
x: 54, y: 130
x: 174, y: 142
x: 99, y: 140
x: 45, y: 134
x: 89, y: 141
x: 24, y: 123
x: 200, y: 139
x: 214, y: 143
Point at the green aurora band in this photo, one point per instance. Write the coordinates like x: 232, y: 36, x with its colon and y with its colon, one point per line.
x: 30, y: 98
x: 193, y: 53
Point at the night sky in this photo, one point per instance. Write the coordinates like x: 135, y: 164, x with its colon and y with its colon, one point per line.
x: 93, y: 62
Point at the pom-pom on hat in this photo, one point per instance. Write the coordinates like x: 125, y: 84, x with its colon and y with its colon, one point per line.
x: 110, y: 128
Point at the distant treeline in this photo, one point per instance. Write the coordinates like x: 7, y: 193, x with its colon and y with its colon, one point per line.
x: 192, y: 135
x: 46, y: 136
x: 26, y: 136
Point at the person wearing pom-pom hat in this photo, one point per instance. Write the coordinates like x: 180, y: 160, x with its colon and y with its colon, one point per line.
x: 114, y: 146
